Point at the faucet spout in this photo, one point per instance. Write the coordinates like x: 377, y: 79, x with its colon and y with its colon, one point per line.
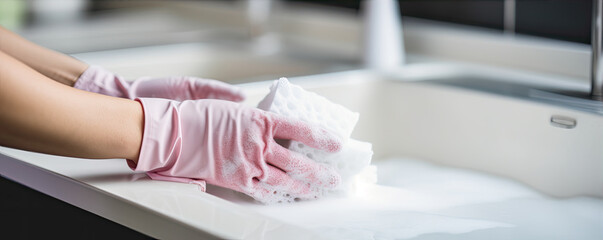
x: 596, y: 76
x: 383, y: 42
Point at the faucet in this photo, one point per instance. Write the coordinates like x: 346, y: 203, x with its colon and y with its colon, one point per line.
x: 263, y: 40
x: 383, y: 42
x: 596, y: 75
x: 258, y: 16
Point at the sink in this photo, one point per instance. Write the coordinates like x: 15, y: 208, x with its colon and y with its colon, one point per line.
x: 424, y: 111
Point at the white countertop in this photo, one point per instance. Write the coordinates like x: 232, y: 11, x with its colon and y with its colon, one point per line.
x: 156, y: 208
x: 463, y: 204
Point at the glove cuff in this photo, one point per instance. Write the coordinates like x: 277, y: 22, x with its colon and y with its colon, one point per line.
x: 99, y: 80
x: 162, y: 137
x: 85, y: 80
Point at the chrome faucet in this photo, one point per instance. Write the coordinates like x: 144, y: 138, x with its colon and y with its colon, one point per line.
x: 258, y: 16
x: 596, y: 75
x: 383, y: 43
x: 263, y: 39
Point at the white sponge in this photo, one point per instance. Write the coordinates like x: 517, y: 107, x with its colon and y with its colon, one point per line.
x: 293, y: 101
x: 351, y: 160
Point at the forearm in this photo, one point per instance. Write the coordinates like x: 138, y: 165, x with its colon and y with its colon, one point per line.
x: 52, y: 64
x: 41, y: 115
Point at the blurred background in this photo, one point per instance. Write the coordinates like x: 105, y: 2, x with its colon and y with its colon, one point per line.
x: 248, y: 40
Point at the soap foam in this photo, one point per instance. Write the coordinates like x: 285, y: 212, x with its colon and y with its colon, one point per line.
x: 415, y: 198
x: 355, y: 156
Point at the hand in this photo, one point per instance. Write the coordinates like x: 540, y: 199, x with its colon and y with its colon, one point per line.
x: 233, y: 146
x: 99, y: 80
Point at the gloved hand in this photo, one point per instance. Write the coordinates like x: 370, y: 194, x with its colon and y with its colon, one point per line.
x: 233, y: 146
x: 98, y: 80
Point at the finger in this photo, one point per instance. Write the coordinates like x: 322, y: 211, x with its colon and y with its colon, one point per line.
x: 213, y: 89
x: 309, y: 134
x: 302, y: 168
x: 280, y: 187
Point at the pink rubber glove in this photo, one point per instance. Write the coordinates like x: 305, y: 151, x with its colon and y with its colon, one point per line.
x: 98, y: 80
x: 230, y: 145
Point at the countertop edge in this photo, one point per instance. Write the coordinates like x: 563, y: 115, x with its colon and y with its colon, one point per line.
x: 96, y: 201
